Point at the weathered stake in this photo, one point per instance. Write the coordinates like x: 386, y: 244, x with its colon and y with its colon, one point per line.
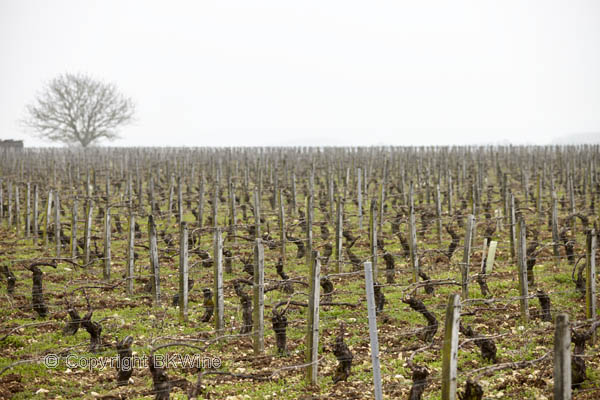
x: 154, y: 259
x: 309, y: 225
x: 257, y: 214
x: 373, y: 237
x: 339, y: 228
x: 282, y: 228
x: 464, y: 268
x: 201, y: 201
x: 555, y: 238
x: 522, y: 263
x: 17, y: 218
x: 562, y: 358
x: 450, y: 349
x: 312, y: 333
x: 438, y: 211
x: 57, y: 224
x: 74, y: 229
x: 35, y: 214
x: 28, y: 211
x: 48, y: 217
x: 9, y: 206
x: 359, y: 197
x: 258, y: 329
x: 107, y: 240
x: 373, y: 330
x: 130, y: 252
x: 512, y: 227
x: 183, y: 270
x: 590, y: 279
x: 88, y: 232
x: 414, y: 258
x: 218, y: 280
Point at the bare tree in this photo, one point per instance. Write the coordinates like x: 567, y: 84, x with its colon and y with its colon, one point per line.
x: 77, y: 109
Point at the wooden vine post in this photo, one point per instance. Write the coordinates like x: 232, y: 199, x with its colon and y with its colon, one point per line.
x: 183, y: 270
x: 48, y: 216
x: 282, y: 228
x: 513, y: 227
x: 309, y: 223
x: 130, y: 252
x: 414, y: 258
x: 9, y: 221
x: 294, y: 198
x: 107, y: 240
x: 373, y: 330
x: 28, y: 211
x: 381, y: 205
x: 522, y: 264
x: 450, y: 348
x: 572, y: 201
x: 312, y: 333
x: 87, y: 235
x: 56, y: 224
x: 258, y: 329
x: 562, y: 358
x: 555, y: 238
x: 17, y: 216
x: 154, y: 259
x: 438, y: 212
x: 464, y: 268
x: 359, y: 198
x: 218, y: 280
x: 215, y: 205
x: 180, y: 211
x: 330, y: 195
x: 590, y: 279
x: 200, y: 213
x: 450, y: 194
x: 35, y: 214
x: 373, y: 236
x: 232, y: 210
x: 74, y: 229
x: 170, y: 204
x: 152, y: 199
x: 538, y: 201
x: 339, y: 228
x: 257, y: 214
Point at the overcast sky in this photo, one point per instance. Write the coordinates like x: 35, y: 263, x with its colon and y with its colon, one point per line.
x: 316, y: 72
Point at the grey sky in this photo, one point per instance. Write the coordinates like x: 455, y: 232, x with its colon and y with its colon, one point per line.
x: 317, y: 72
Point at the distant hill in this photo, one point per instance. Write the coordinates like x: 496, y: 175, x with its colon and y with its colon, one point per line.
x: 9, y: 143
x: 578, y: 138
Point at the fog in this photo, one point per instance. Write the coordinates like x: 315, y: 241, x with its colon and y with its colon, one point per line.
x: 230, y: 73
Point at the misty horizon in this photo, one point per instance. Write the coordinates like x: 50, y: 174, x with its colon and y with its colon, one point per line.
x: 317, y: 73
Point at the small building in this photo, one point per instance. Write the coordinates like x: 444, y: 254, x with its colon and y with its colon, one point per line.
x: 11, y: 144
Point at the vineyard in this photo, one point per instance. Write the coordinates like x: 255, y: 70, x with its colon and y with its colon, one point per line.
x: 300, y: 273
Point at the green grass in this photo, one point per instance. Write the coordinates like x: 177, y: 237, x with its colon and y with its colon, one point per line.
x: 146, y: 323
